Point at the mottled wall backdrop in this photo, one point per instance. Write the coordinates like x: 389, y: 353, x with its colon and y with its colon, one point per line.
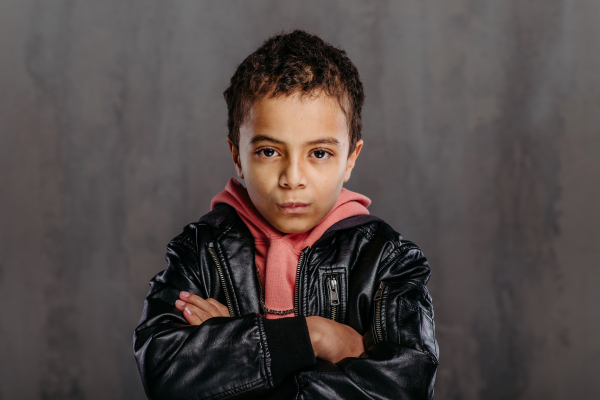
x: 482, y: 145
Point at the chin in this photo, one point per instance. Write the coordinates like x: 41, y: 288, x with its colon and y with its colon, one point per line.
x: 294, y: 228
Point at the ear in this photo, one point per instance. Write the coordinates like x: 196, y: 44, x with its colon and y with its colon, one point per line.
x: 235, y: 154
x: 352, y: 160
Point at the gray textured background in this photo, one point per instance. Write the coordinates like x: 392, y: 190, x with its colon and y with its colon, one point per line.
x: 482, y: 145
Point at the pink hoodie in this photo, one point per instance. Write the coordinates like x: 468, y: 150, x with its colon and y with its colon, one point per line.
x: 277, y: 255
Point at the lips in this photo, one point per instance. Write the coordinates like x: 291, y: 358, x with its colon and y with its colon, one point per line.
x: 293, y: 207
x: 293, y: 204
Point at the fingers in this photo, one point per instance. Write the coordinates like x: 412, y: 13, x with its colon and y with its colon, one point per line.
x: 357, y: 346
x: 197, y: 310
x: 192, y: 314
x: 214, y: 308
x: 191, y: 317
x: 223, y: 309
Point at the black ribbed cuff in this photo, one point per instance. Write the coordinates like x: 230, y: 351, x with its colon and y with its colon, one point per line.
x: 289, y: 344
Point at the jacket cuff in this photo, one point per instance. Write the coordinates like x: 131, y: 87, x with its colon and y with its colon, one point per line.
x: 289, y: 344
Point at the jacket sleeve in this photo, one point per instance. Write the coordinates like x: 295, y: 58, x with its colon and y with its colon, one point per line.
x: 401, y: 353
x: 224, y: 357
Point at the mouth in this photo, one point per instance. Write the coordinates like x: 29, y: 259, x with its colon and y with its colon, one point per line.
x: 293, y: 207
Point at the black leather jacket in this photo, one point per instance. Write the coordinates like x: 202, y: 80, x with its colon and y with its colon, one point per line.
x: 380, y: 293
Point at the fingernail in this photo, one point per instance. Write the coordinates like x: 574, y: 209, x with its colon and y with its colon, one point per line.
x: 188, y: 311
x: 180, y: 303
x: 185, y: 294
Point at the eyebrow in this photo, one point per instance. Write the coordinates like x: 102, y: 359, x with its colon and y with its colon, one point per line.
x: 325, y: 140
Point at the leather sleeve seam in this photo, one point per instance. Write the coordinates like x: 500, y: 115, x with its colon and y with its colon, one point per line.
x: 297, y: 396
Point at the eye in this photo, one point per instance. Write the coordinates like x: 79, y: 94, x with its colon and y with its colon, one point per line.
x: 322, y: 154
x: 267, y: 152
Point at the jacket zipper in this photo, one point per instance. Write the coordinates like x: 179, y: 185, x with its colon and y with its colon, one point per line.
x: 221, y: 277
x: 333, y: 296
x: 377, y: 298
x: 297, y: 296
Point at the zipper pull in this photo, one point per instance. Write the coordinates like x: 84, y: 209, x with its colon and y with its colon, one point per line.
x: 333, y: 291
x: 379, y: 291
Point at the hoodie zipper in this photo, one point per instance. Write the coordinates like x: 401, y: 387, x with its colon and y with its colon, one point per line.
x: 378, y: 301
x: 333, y: 296
x: 221, y: 277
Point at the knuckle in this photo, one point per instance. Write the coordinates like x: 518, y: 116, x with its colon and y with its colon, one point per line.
x: 213, y: 302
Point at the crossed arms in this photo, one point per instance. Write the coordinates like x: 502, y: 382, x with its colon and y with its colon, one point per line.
x: 205, y: 354
x: 330, y: 340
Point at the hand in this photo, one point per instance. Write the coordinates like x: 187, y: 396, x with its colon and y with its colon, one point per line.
x: 196, y: 310
x: 333, y: 341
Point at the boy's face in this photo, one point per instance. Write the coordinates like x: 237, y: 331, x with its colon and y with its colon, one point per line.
x: 294, y: 150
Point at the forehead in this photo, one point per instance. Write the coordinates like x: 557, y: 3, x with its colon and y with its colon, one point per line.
x: 296, y: 118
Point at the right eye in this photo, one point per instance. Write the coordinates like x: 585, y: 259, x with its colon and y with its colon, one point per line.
x: 267, y: 152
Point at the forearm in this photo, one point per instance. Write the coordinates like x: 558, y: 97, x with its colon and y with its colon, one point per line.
x: 177, y: 360
x: 385, y: 371
x: 223, y: 354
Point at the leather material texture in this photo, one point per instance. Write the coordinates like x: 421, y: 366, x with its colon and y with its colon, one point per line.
x: 382, y: 295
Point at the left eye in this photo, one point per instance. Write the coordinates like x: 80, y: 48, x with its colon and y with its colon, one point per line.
x: 321, y: 154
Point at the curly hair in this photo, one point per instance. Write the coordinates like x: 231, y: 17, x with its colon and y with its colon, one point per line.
x: 295, y: 62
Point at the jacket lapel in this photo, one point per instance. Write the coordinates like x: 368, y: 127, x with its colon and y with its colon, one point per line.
x: 237, y: 248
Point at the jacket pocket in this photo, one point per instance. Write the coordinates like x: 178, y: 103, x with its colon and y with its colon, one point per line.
x: 333, y: 295
x: 415, y: 327
x: 405, y: 317
x: 333, y: 289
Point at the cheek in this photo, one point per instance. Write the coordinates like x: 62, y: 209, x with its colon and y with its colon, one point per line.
x: 261, y: 193
x: 327, y: 191
x: 331, y: 174
x: 262, y: 180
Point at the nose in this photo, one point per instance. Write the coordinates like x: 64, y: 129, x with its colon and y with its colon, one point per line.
x: 292, y: 176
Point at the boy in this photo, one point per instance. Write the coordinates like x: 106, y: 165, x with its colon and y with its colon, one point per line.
x: 288, y: 287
